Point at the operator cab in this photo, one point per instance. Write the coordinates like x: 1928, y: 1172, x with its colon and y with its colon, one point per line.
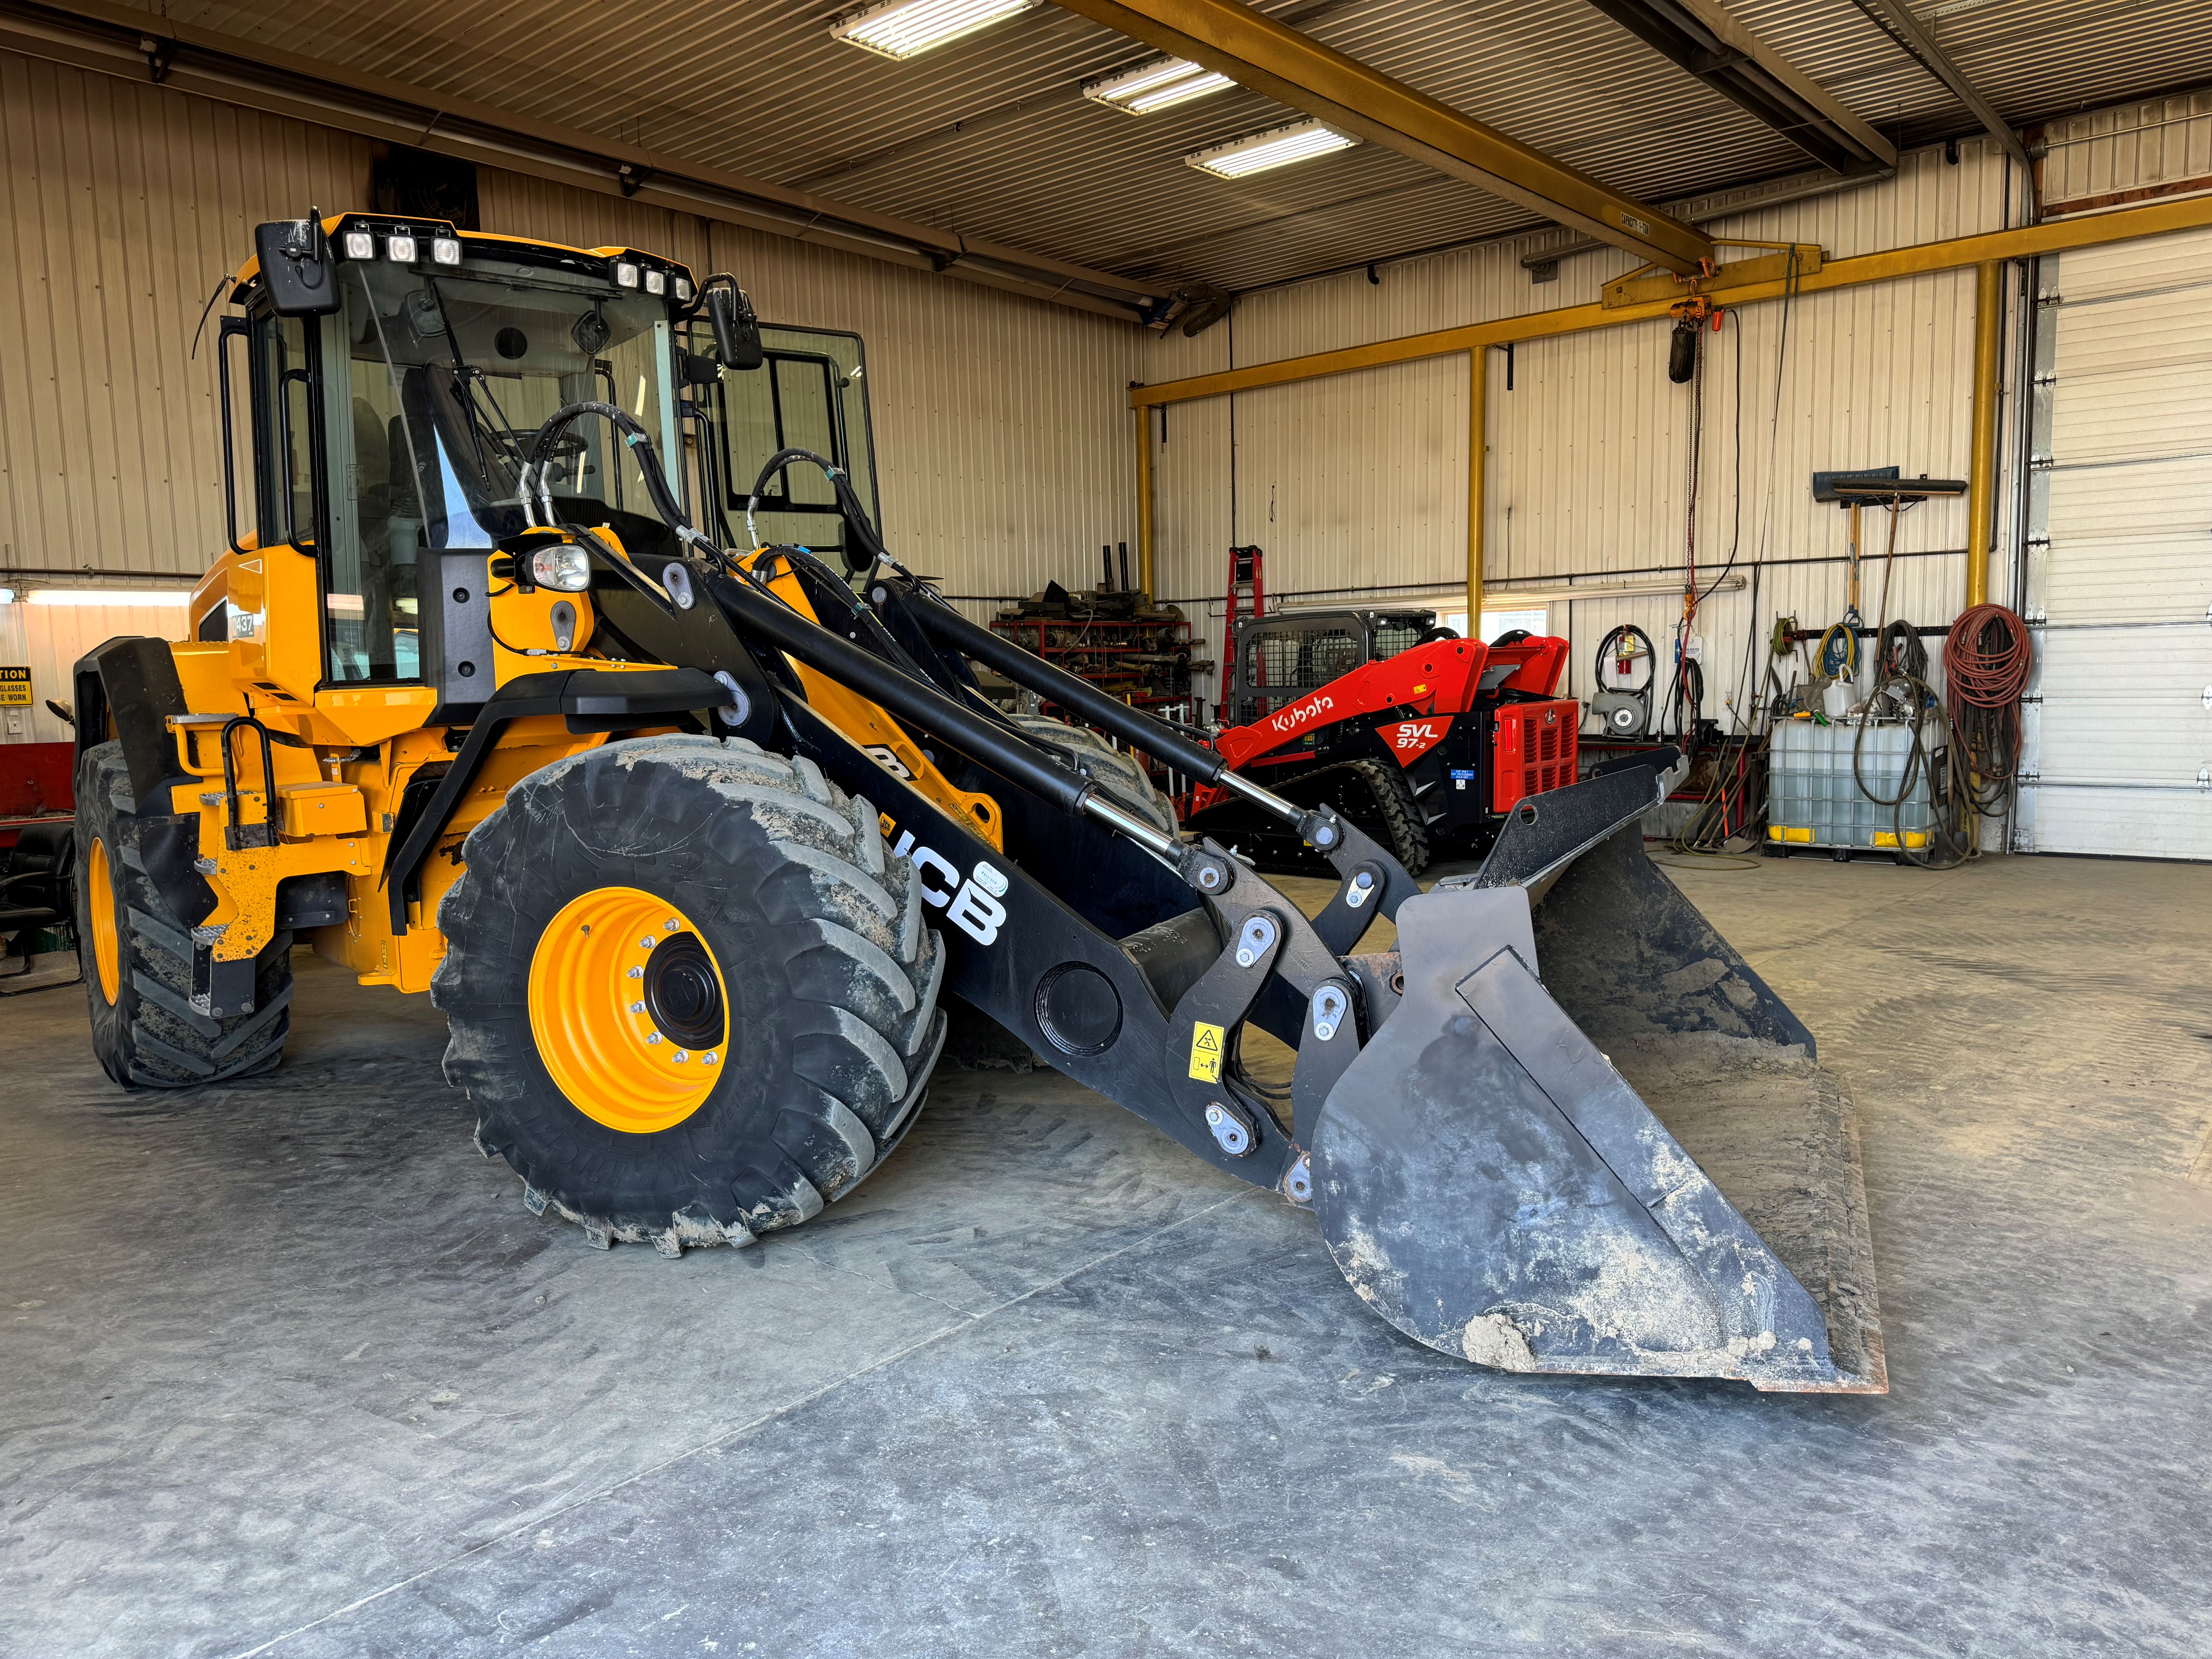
x: 1278, y: 659
x: 400, y: 371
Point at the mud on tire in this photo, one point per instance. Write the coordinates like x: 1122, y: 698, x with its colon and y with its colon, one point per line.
x: 151, y: 1036
x: 830, y: 971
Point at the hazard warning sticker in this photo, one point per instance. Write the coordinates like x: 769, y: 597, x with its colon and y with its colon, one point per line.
x: 1205, y: 1052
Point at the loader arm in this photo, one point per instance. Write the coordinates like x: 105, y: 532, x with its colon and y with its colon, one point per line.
x: 1484, y: 1176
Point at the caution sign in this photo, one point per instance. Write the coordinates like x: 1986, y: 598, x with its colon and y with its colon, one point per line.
x: 1205, y: 1052
x: 15, y: 688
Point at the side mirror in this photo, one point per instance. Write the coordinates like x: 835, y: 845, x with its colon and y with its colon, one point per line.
x: 737, y: 330
x: 295, y: 264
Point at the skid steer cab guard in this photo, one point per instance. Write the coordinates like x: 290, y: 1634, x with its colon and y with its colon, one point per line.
x: 690, y: 835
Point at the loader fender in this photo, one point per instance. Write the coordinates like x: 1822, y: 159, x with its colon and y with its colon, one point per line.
x: 130, y: 683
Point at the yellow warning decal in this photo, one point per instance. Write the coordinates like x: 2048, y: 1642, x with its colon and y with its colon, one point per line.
x: 1205, y: 1052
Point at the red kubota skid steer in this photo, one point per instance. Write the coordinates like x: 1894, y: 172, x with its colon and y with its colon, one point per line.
x: 1423, y: 740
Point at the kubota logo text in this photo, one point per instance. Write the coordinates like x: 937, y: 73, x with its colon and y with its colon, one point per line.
x: 1286, y: 721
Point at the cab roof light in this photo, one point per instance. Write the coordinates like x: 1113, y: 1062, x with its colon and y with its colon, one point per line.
x: 360, y: 245
x: 400, y: 250
x: 445, y: 250
x: 626, y: 274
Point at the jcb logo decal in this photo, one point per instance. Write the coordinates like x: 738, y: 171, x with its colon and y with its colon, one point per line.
x: 970, y: 903
x: 1409, y: 740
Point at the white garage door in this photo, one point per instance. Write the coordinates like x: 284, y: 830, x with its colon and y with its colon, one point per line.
x: 2121, y: 755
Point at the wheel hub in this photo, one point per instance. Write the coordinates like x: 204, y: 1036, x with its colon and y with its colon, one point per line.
x: 628, y: 1009
x: 683, y: 994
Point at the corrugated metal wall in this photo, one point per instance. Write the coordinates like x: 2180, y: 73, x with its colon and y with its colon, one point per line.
x: 50, y: 638
x: 1360, y: 481
x: 2162, y: 142
x: 125, y: 207
x: 1002, y: 431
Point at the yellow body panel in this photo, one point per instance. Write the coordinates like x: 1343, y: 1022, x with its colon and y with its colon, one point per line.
x: 883, y: 738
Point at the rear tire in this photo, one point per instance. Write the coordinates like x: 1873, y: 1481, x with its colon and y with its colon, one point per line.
x: 137, y: 954
x: 826, y: 1004
x: 1121, y: 774
x: 1397, y: 813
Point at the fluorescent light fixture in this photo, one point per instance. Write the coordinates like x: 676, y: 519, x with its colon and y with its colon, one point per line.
x: 7, y: 596
x: 1277, y: 147
x: 1160, y: 84
x: 110, y: 595
x: 900, y: 28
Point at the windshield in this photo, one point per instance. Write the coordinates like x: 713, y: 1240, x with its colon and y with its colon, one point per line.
x: 449, y: 377
x: 811, y: 393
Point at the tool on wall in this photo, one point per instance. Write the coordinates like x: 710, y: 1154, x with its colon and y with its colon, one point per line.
x: 1624, y: 709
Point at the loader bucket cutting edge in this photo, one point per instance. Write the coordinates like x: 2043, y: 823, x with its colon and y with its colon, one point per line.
x: 1495, y: 1187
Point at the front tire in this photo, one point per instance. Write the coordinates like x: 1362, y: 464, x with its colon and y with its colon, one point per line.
x: 1118, y: 772
x: 785, y: 944
x: 136, y: 954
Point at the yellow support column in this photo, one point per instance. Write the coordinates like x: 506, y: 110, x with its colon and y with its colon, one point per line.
x: 1145, y: 503
x: 1981, y: 474
x: 1478, y: 472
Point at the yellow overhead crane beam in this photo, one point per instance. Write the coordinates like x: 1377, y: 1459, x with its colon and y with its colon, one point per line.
x: 1760, y: 278
x: 1255, y: 51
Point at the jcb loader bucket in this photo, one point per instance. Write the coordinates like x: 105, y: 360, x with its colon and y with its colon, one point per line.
x: 1516, y: 1168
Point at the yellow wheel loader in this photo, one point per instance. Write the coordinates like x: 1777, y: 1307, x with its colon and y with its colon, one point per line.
x: 689, y: 841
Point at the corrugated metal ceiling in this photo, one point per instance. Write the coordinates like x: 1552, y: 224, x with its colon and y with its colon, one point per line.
x: 989, y: 135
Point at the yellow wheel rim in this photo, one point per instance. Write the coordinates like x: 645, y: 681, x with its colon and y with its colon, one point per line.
x: 106, y: 942
x: 630, y: 1010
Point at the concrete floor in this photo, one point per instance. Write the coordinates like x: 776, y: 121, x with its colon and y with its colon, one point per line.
x: 288, y: 1369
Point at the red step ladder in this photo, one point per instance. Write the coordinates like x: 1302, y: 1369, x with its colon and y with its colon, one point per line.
x: 1247, y: 568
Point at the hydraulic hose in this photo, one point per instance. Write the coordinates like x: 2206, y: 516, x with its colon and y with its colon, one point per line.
x: 814, y: 645
x: 641, y: 444
x: 1648, y: 689
x: 1987, y: 659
